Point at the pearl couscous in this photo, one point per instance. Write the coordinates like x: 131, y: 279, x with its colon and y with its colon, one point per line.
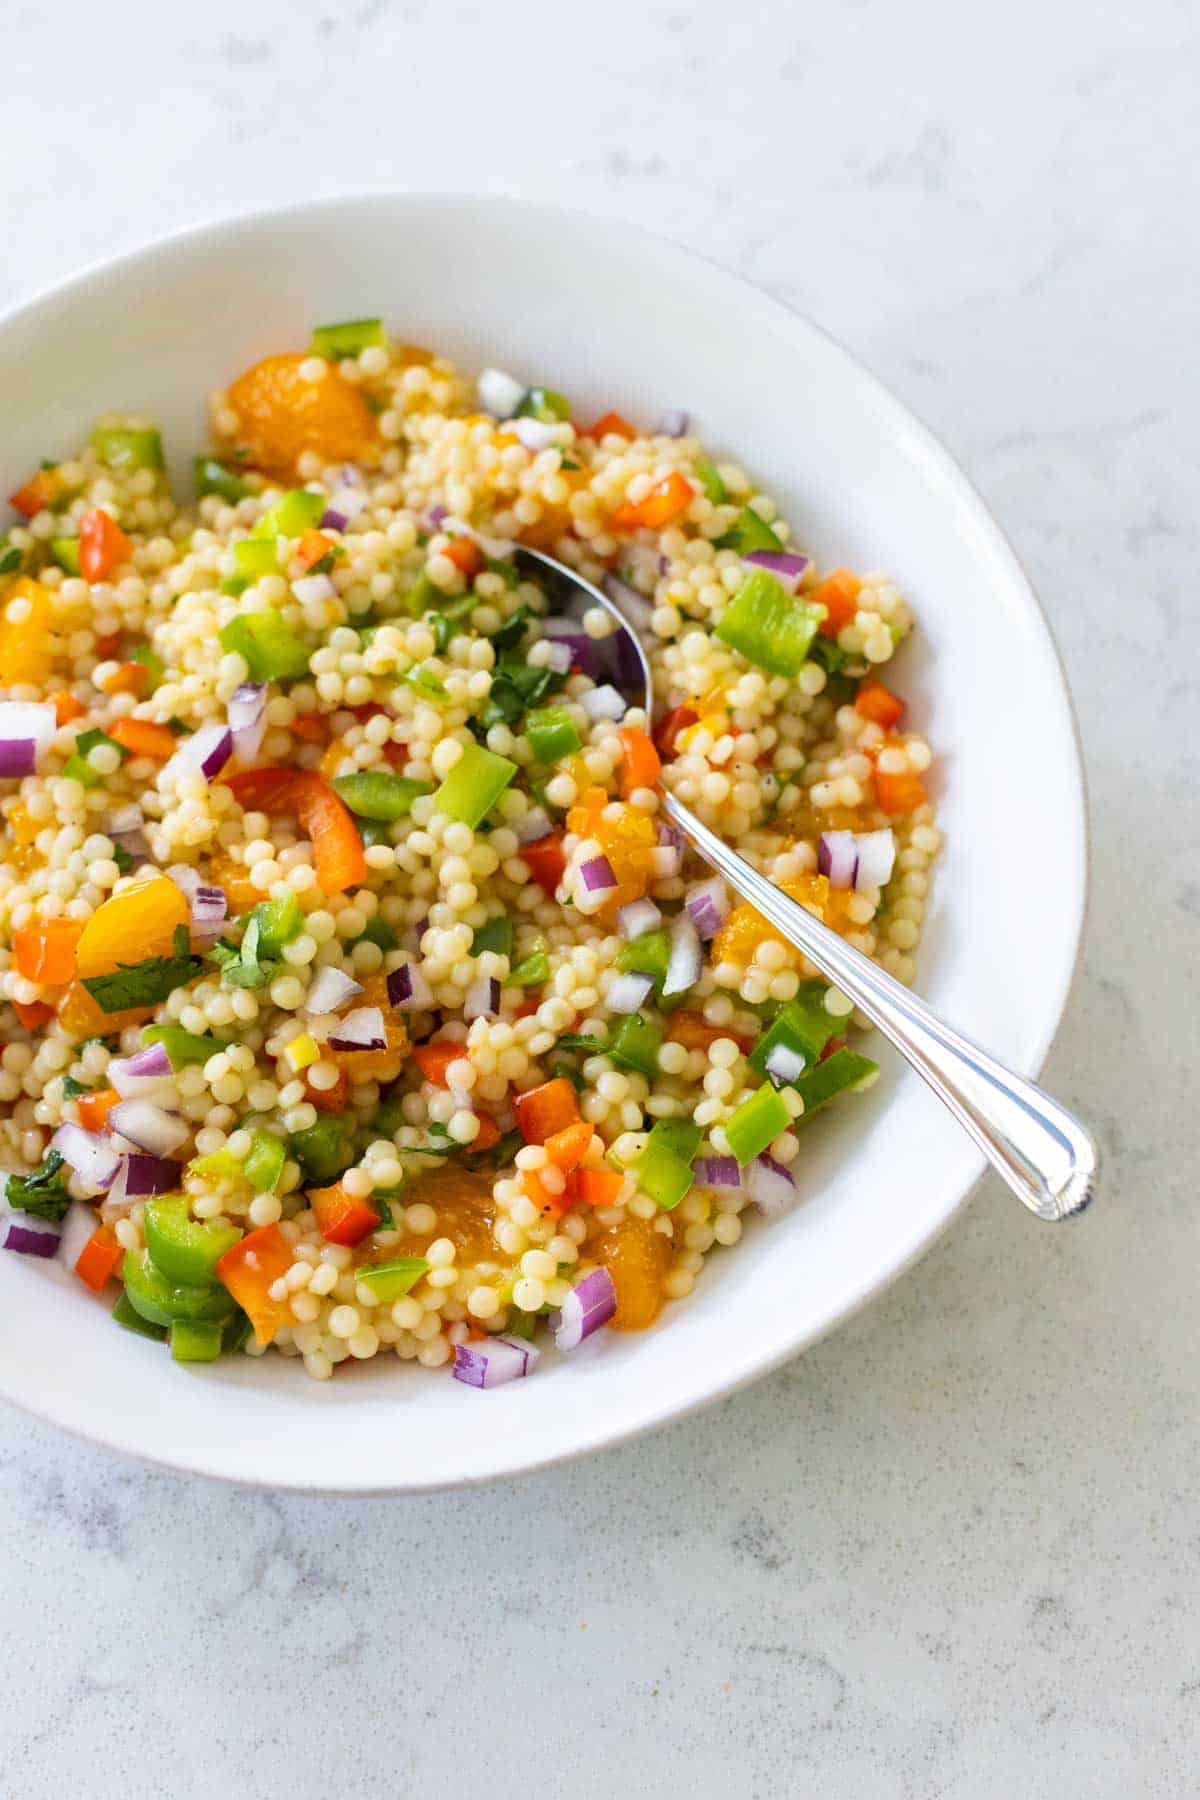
x: 355, y: 996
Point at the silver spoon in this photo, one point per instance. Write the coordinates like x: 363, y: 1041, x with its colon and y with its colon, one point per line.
x: 1036, y: 1146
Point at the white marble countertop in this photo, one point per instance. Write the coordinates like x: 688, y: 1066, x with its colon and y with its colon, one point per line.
x: 952, y: 1550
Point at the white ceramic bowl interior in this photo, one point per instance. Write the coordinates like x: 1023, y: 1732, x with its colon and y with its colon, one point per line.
x: 614, y: 318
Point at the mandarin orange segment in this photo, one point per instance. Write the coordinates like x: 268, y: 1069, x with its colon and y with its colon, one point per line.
x: 138, y: 922
x: 26, y: 648
x: 365, y: 1065
x: 280, y: 415
x: 462, y: 1200
x: 745, y: 929
x: 639, y: 1259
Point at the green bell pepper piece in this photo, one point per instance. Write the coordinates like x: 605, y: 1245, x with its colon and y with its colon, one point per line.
x: 391, y: 1280
x: 646, y: 955
x: 378, y: 931
x: 183, y: 1047
x: 271, y: 649
x: 252, y: 557
x: 376, y: 794
x: 495, y: 935
x: 430, y: 686
x: 532, y: 971
x: 65, y: 551
x: 132, y: 1320
x: 334, y: 342
x: 474, y: 785
x: 680, y: 1135
x: 845, y: 1072
x: 802, y: 1025
x: 193, y: 1340
x: 664, y: 1168
x: 183, y: 1249
x: 323, y: 1150
x: 123, y: 447
x: 768, y: 626
x: 10, y: 557
x: 212, y: 477
x: 757, y: 1122
x: 78, y: 768
x: 374, y: 831
x: 544, y: 404
x: 749, y: 531
x: 264, y: 1161
x: 715, y: 490
x: 635, y: 1045
x: 296, y: 511
x: 389, y: 1118
x: 279, y: 921
x: 552, y: 733
x: 162, y: 1301
x: 151, y: 661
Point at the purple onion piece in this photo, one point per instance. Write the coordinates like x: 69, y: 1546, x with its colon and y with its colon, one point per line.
x: 597, y: 873
x: 362, y: 1029
x: 25, y: 730
x: 559, y: 656
x: 408, y: 990
x: 708, y: 906
x: 629, y: 993
x: 772, y: 1189
x: 786, y: 565
x: 205, y: 753
x: 27, y: 1234
x: 333, y: 520
x: 686, y: 959
x: 148, y: 1126
x: 436, y: 514
x: 837, y: 858
x: 666, y: 861
x: 590, y: 1304
x: 148, y: 1071
x: 495, y: 1361
x: 535, y: 825
x: 247, y: 715
x: 784, y: 1065
x: 876, y: 859
x: 77, y: 1229
x: 718, y: 1172
x: 672, y: 424
x: 638, y: 917
x: 482, y: 999
x: 91, y: 1156
x: 140, y: 1176
x: 603, y: 703
x: 329, y: 989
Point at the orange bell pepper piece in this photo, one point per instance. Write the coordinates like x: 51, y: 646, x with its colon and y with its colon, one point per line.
x: 328, y: 1100
x: 66, y: 707
x: 900, y: 793
x: 142, y: 737
x: 107, y: 646
x: 40, y: 491
x: 250, y: 1269
x: 434, y: 1059
x: 95, y: 1108
x: 546, y: 1110
x: 46, y: 951
x: 103, y: 546
x: 545, y: 861
x: 466, y: 556
x: 311, y: 727
x: 612, y: 424
x: 337, y: 846
x: 640, y: 764
x: 342, y: 1218
x: 129, y: 678
x: 666, y: 735
x: 312, y: 547
x: 97, y: 1262
x: 33, y: 1014
x: 667, y: 500
x: 258, y: 790
x: 693, y: 1031
x: 488, y: 1133
x: 838, y: 594
x: 598, y: 1187
x: 568, y: 1147
x: 877, y: 703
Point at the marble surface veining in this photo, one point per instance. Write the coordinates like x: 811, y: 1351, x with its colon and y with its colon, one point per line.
x: 952, y: 1551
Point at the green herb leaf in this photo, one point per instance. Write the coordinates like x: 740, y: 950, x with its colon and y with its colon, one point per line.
x: 147, y: 982
x: 44, y: 1193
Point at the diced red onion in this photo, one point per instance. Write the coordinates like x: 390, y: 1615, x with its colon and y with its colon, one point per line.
x: 333, y: 520
x: 362, y: 1029
x: 482, y: 999
x: 209, y: 911
x: 77, y: 1231
x: 329, y: 989
x: 536, y: 824
x: 26, y: 1233
x: 247, y: 715
x: 204, y: 753
x: 127, y: 828
x: 139, y: 1177
x: 638, y: 917
x: 784, y: 1065
x: 686, y: 959
x: 559, y: 656
x: 708, y: 906
x: 436, y: 514
x: 786, y: 565
x: 635, y: 606
x: 672, y: 424
x: 91, y: 1156
x: 597, y: 873
x: 837, y: 858
x: 629, y: 993
x: 587, y: 653
x: 666, y: 861
x: 408, y: 990
x: 495, y: 1361
x: 310, y: 589
x: 721, y: 1172
x: 876, y: 859
x: 148, y: 1126
x: 146, y: 1072
x: 25, y: 731
x: 590, y: 1304
x: 499, y: 394
x: 772, y: 1188
x: 535, y: 435
x: 603, y: 703
x: 349, y: 499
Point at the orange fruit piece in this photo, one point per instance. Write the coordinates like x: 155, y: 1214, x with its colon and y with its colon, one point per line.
x: 638, y: 1258
x: 26, y: 649
x: 365, y: 1065
x: 745, y: 928
x: 462, y: 1200
x: 138, y: 922
x: 280, y: 415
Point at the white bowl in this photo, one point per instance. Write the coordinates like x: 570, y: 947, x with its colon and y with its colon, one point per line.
x: 614, y: 318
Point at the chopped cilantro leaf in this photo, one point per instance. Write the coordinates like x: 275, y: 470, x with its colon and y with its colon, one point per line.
x: 44, y: 1193
x: 122, y: 858
x: 147, y: 982
x: 72, y: 1088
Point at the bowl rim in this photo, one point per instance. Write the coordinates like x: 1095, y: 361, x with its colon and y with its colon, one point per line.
x: 793, y: 325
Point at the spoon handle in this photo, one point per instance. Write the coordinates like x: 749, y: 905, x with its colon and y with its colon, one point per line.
x: 1040, y: 1149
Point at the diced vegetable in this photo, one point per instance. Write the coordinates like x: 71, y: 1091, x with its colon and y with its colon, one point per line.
x: 297, y: 511
x: 376, y: 794
x: 127, y: 1316
x: 598, y: 1187
x: 184, y: 1249
x: 271, y: 650
x: 334, y: 342
x: 552, y: 733
x: 496, y: 935
x: 45, y: 951
x: 767, y: 626
x: 635, y: 1045
x: 103, y: 546
x: 612, y: 425
x: 162, y: 1300
x: 879, y: 704
x: 323, y: 1150
x: 838, y: 594
x: 250, y: 1269
x: 544, y: 1111
x: 546, y: 861
x: 899, y: 792
x: 474, y: 784
x: 842, y: 1073
x: 664, y: 1171
x: 341, y: 1217
x: 65, y: 551
x: 264, y: 1161
x: 590, y: 1304
x: 390, y: 1281
x: 757, y: 1122
x: 640, y: 765
x: 532, y: 971
x: 193, y: 1340
x: 78, y: 766
x: 125, y: 448
x: 709, y: 478
x: 749, y: 531
x: 667, y: 500
x: 97, y: 1261
x: 802, y: 1025
x: 647, y: 955
x: 545, y: 405
x: 142, y: 737
x: 184, y: 1047
x: 212, y: 477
